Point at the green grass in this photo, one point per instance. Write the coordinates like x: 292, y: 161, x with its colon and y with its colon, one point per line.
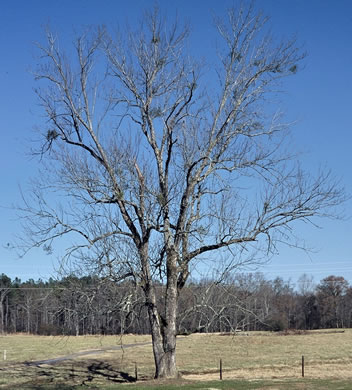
x: 251, y: 385
x: 211, y: 385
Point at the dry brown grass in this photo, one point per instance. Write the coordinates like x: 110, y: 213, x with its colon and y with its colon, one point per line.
x: 23, y: 347
x: 259, y: 355
x: 268, y: 355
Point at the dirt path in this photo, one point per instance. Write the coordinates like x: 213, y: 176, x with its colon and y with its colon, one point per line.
x: 83, y: 353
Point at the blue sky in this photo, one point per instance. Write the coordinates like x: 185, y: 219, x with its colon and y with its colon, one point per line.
x: 318, y: 98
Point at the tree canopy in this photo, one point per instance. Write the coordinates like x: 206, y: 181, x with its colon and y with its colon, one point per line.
x: 163, y: 161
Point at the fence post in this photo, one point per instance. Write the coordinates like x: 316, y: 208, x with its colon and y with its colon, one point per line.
x: 221, y: 369
x: 136, y: 371
x: 302, y: 366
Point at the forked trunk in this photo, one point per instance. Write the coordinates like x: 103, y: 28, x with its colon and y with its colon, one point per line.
x: 163, y: 332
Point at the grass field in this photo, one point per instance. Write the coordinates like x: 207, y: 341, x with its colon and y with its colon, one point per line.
x: 255, y: 361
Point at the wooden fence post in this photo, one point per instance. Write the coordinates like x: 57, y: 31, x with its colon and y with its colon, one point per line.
x: 220, y: 369
x: 136, y: 371
x: 302, y: 366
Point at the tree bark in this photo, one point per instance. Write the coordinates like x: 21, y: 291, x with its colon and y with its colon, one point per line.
x: 164, y: 345
x: 156, y: 327
x: 169, y: 331
x: 163, y: 328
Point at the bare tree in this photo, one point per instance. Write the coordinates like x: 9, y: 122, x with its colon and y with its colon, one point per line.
x: 5, y: 284
x: 164, y: 162
x: 330, y: 295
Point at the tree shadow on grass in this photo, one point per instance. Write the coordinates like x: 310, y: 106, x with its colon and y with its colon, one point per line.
x: 105, y: 370
x: 50, y: 387
x: 63, y: 376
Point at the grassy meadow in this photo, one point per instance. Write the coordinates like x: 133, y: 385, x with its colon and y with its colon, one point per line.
x: 249, y: 360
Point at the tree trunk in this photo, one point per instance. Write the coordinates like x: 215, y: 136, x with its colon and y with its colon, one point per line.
x: 169, y: 333
x: 163, y: 336
x: 1, y: 317
x: 163, y: 328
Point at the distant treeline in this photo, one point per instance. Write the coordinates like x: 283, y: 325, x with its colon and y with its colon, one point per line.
x: 90, y: 305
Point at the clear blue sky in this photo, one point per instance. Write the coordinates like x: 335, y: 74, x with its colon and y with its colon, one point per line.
x: 319, y: 98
